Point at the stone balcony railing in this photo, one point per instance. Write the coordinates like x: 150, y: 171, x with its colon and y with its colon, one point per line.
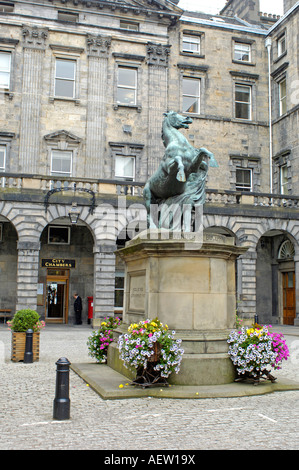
x: 121, y: 188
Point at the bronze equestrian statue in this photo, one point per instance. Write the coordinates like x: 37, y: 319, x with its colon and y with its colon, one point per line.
x: 180, y: 178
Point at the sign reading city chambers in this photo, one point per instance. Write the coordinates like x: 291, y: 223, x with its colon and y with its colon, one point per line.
x: 58, y: 263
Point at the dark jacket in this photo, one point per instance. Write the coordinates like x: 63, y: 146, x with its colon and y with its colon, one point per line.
x: 78, y: 304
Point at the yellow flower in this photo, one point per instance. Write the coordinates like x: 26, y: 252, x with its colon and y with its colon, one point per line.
x: 121, y: 386
x: 103, y: 323
x: 249, y: 331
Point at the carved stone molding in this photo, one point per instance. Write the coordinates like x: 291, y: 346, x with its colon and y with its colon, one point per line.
x: 98, y: 46
x: 157, y: 54
x: 34, y: 38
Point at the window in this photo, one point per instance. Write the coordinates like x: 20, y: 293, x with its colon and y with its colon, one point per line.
x: 5, y: 61
x: 126, y: 86
x: 119, y: 290
x: 283, y: 171
x: 191, y: 44
x: 65, y: 78
x: 125, y: 168
x: 242, y: 102
x: 61, y: 162
x: 243, y: 179
x: 2, y: 157
x: 281, y: 45
x: 59, y: 235
x: 191, y: 88
x: 129, y: 26
x: 7, y: 7
x: 282, y: 97
x: 68, y: 16
x: 242, y: 52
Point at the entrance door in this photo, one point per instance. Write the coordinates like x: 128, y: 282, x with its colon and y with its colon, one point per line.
x: 57, y: 299
x: 289, y: 298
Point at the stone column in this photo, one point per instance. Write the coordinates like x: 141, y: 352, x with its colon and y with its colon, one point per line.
x: 33, y: 52
x: 104, y: 282
x: 97, y: 50
x: 247, y: 283
x: 157, y: 59
x: 27, y: 274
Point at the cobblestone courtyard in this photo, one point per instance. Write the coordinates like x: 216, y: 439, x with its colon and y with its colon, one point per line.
x: 26, y: 411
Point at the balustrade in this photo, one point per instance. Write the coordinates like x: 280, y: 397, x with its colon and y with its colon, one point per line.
x: 132, y: 188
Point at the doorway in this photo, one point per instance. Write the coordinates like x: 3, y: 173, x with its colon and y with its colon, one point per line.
x: 289, y: 297
x: 57, y: 296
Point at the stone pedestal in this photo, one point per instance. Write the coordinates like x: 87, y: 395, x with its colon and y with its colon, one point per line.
x: 191, y: 288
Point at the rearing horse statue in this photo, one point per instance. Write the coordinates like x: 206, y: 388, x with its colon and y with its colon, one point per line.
x: 180, y: 160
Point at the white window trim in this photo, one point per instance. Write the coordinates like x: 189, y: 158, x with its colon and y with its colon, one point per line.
x: 282, y: 99
x: 236, y: 44
x: 128, y: 87
x: 245, y: 102
x: 191, y: 39
x: 126, y: 177
x: 279, y: 45
x: 65, y: 79
x: 283, y: 184
x: 244, y: 188
x: 60, y: 173
x: 6, y: 87
x: 198, y: 80
x: 2, y: 169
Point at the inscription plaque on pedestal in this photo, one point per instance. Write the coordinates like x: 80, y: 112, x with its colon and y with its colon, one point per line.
x: 137, y: 292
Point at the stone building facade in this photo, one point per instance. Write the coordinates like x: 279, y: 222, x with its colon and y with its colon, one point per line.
x: 84, y: 85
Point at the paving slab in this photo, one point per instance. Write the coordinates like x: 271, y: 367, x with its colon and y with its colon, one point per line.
x: 110, y: 384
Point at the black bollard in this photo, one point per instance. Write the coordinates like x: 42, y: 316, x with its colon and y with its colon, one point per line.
x: 256, y: 319
x: 28, y: 355
x: 61, y: 406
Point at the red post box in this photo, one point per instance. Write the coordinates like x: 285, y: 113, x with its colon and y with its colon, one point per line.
x: 90, y: 308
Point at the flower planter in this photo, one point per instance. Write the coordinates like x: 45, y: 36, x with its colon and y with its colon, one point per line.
x: 18, y: 344
x: 256, y: 379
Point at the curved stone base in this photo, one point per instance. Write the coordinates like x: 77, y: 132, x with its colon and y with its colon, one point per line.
x: 196, y: 369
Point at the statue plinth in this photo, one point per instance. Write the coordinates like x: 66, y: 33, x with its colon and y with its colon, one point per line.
x: 190, y: 286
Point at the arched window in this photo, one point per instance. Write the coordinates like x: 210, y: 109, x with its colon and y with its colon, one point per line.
x: 286, y: 250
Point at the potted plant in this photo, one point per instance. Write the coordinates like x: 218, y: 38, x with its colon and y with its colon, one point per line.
x: 99, y: 340
x: 255, y: 350
x: 22, y: 321
x: 152, y: 350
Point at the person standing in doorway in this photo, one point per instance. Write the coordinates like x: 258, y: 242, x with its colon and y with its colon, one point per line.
x: 78, y: 309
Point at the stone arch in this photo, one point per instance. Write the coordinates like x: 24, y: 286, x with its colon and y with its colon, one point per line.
x: 270, y: 272
x: 8, y: 263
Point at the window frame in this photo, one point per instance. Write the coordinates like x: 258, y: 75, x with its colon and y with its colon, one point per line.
x: 9, y: 7
x: 189, y: 95
x: 61, y: 227
x: 125, y: 177
x: 124, y: 23
x: 281, y: 40
x: 74, y: 61
x: 68, y: 13
x: 249, y: 103
x: 242, y: 186
x: 193, y: 39
x: 4, y: 147
x: 282, y: 99
x: 8, y: 86
x: 283, y: 179
x: 242, y: 44
x: 60, y: 173
x: 119, y: 86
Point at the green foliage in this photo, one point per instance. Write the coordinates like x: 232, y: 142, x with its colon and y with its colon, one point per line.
x: 25, y: 319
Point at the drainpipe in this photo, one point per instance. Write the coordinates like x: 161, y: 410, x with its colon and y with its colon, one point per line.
x: 268, y: 44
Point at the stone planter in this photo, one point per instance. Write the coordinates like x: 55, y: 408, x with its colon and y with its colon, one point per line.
x: 18, y: 343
